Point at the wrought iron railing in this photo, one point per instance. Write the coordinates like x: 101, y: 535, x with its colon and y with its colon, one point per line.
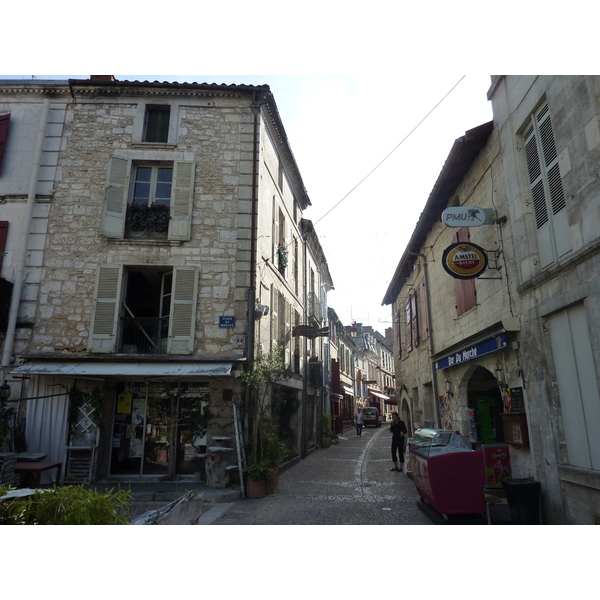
x: 142, y: 335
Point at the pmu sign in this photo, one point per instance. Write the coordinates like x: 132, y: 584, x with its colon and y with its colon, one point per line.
x: 467, y: 216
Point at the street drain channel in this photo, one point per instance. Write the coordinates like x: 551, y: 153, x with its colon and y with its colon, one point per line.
x: 362, y: 484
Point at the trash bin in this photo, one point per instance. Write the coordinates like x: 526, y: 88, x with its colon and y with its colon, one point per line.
x: 524, y: 501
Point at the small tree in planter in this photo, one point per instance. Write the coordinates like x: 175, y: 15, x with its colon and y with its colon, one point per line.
x: 326, y: 433
x: 268, y: 369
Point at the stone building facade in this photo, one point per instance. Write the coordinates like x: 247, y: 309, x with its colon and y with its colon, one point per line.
x: 174, y: 254
x: 550, y: 136
x: 510, y: 356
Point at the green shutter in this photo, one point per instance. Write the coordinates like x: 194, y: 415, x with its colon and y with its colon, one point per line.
x: 182, y: 322
x: 115, y: 198
x: 180, y: 225
x: 103, y: 330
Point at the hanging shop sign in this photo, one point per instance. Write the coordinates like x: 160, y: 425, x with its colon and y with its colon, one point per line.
x: 464, y: 260
x: 309, y: 331
x: 497, y: 342
x: 467, y: 216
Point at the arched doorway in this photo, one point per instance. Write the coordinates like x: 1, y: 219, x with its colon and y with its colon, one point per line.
x: 484, y: 403
x: 405, y: 415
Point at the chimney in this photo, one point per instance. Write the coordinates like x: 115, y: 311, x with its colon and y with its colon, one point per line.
x: 102, y: 78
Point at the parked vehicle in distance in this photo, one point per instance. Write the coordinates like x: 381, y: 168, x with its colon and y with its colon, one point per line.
x: 371, y: 416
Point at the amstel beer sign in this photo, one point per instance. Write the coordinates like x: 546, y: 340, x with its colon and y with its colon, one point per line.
x: 464, y: 260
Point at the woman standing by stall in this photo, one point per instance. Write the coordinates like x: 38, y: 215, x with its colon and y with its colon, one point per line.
x: 398, y: 429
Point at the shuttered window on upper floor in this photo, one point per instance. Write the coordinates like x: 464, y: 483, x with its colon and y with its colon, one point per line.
x: 4, y: 121
x: 547, y: 194
x: 465, y: 293
x: 125, y: 185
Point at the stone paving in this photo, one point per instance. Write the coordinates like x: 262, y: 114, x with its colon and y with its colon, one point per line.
x: 347, y: 484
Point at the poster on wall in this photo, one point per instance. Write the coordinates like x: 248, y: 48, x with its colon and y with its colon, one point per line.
x: 124, y: 403
x: 445, y: 413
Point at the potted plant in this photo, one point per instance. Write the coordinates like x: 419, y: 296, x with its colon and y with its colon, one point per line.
x: 273, y: 451
x: 257, y: 475
x: 326, y: 433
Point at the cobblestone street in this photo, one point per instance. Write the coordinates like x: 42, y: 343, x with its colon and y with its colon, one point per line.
x: 347, y: 484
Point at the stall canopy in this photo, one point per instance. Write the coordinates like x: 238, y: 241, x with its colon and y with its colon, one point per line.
x: 115, y: 369
x: 379, y: 395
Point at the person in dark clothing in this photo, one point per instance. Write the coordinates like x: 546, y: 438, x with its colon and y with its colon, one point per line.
x: 398, y: 429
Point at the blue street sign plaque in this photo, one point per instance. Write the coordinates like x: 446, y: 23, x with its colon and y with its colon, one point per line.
x: 227, y: 322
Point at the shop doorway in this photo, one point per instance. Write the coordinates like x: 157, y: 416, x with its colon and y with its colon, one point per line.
x: 485, y: 407
x: 158, y: 428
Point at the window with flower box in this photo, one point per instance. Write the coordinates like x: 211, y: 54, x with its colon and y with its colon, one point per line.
x: 149, y: 199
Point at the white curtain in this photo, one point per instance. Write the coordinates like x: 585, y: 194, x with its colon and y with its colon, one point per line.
x: 46, y: 425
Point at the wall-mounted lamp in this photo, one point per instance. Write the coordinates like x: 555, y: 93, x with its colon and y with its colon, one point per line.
x: 261, y: 311
x: 236, y: 372
x: 4, y: 391
x: 449, y: 391
x: 499, y: 379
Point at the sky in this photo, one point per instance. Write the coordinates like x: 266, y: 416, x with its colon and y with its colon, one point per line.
x: 369, y: 151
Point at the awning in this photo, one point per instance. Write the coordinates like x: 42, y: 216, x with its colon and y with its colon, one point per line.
x: 348, y: 390
x: 379, y: 395
x: 122, y: 369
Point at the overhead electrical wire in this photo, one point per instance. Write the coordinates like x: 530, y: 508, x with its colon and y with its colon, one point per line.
x: 381, y: 161
x: 392, y: 151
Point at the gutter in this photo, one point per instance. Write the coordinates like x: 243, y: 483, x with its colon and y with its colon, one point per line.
x: 20, y: 268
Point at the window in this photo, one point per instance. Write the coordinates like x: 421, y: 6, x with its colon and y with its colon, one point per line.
x: 4, y: 121
x: 148, y: 199
x: 156, y: 124
x: 412, y: 322
x: 144, y: 310
x: 547, y: 196
x: 465, y: 293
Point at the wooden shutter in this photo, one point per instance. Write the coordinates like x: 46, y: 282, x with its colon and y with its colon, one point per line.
x: 4, y: 121
x: 398, y: 333
x: 180, y: 224
x: 547, y: 195
x: 423, y: 311
x: 408, y: 323
x: 115, y: 198
x: 3, y: 236
x: 464, y: 289
x: 182, y: 321
x: 414, y: 320
x: 107, y: 297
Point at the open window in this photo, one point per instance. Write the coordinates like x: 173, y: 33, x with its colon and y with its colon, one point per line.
x: 148, y: 199
x: 144, y: 310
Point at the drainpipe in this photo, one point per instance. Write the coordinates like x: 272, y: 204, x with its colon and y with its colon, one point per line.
x: 256, y: 107
x: 304, y: 352
x: 20, y: 266
x: 430, y: 321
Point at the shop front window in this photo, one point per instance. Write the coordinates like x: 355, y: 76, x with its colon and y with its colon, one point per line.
x: 158, y: 428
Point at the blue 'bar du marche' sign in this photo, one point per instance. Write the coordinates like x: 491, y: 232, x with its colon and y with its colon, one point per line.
x: 496, y: 343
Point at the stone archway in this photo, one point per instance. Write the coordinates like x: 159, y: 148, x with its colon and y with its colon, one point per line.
x: 406, y: 414
x: 484, y: 405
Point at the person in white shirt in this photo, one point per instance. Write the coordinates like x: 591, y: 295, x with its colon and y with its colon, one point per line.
x: 359, y: 422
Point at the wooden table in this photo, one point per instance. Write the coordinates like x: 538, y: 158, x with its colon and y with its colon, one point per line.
x: 32, y: 471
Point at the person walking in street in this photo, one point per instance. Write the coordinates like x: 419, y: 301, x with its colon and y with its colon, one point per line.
x: 398, y: 429
x: 359, y: 422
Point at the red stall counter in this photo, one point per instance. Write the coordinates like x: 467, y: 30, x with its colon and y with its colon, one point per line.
x: 447, y: 473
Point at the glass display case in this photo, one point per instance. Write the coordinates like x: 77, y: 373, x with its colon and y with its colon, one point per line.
x: 448, y: 474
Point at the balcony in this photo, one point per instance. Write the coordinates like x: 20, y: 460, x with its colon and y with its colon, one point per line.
x: 143, y: 335
x: 314, y: 308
